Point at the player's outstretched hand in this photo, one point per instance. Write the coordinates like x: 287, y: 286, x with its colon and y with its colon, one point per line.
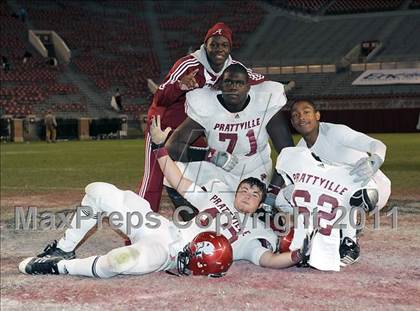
x: 365, y: 168
x: 188, y: 81
x: 305, y: 250
x: 222, y: 159
x: 158, y: 136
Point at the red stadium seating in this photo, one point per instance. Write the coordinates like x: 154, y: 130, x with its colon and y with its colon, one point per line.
x: 338, y: 6
x: 102, y: 56
x: 180, y: 36
x: 362, y: 6
x: 112, y: 47
x: 308, y: 6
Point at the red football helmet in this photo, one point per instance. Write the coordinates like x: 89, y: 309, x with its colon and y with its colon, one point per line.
x: 207, y: 254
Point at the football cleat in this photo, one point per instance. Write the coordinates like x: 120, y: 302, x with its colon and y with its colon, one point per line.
x: 36, y: 265
x: 367, y: 199
x: 349, y: 252
x: 53, y: 251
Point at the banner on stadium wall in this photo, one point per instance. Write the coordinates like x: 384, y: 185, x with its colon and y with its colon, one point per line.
x: 388, y: 76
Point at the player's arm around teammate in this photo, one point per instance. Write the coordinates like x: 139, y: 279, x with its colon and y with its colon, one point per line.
x: 339, y: 144
x: 182, y: 138
x: 234, y: 98
x: 170, y: 170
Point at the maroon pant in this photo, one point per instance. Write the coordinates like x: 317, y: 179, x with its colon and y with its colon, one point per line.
x: 152, y: 183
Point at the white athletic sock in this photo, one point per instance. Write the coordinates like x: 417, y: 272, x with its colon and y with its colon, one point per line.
x: 349, y: 231
x: 95, y: 266
x: 80, y: 225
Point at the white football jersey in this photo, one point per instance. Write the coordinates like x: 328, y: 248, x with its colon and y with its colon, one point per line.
x: 337, y: 143
x: 322, y: 192
x: 241, y: 133
x: 249, y: 236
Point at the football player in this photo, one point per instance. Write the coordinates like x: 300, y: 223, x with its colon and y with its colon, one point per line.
x: 339, y: 144
x: 252, y: 240
x: 238, y: 122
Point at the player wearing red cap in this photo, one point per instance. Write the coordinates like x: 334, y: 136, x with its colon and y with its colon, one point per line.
x: 197, y: 70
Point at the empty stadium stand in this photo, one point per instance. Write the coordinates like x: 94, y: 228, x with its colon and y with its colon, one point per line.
x: 111, y: 48
x: 120, y: 44
x: 326, y: 41
x: 362, y: 6
x: 300, y: 5
x: 335, y: 7
x: 185, y: 26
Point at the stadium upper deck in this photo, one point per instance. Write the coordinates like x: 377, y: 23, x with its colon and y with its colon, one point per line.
x: 290, y: 39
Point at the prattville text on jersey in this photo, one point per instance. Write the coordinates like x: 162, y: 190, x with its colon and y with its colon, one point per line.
x: 233, y: 217
x: 322, y: 182
x: 234, y: 127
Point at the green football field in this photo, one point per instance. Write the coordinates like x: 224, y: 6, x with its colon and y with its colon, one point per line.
x: 38, y: 167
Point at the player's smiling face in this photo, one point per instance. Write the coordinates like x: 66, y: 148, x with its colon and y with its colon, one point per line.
x: 248, y: 198
x: 235, y: 89
x: 305, y: 118
x: 218, y: 50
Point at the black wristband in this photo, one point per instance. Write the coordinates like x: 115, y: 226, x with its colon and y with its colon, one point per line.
x: 157, y: 146
x: 195, y: 154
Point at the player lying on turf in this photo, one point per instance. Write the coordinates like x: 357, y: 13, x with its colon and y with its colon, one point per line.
x: 237, y: 122
x: 157, y: 249
x: 336, y: 143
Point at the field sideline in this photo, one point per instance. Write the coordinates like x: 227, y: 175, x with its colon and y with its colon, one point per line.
x: 40, y: 167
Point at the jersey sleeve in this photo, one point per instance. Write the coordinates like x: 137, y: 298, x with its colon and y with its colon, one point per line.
x: 196, y: 104
x: 286, y: 159
x: 271, y: 96
x: 348, y: 137
x: 252, y: 251
x: 254, y: 78
x: 199, y: 196
x: 169, y: 91
x: 196, y: 195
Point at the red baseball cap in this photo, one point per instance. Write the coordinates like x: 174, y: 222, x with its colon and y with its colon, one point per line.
x: 220, y: 29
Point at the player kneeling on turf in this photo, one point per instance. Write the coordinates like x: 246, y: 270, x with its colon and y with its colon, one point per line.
x: 335, y: 144
x: 339, y: 144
